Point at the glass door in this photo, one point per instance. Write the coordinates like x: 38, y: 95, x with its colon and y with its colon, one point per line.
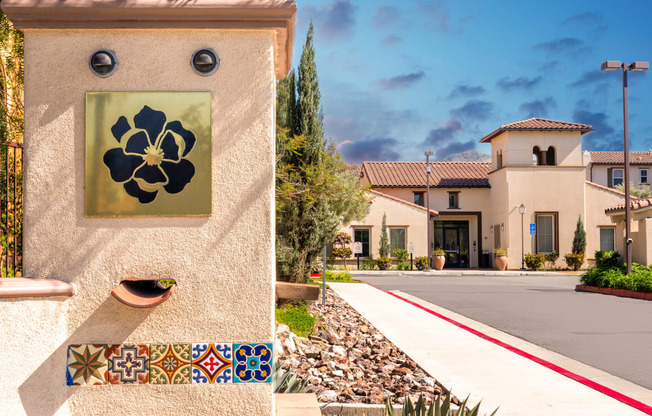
x: 452, y: 247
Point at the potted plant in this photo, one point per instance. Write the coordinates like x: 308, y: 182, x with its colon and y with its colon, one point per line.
x: 500, y: 258
x: 438, y: 259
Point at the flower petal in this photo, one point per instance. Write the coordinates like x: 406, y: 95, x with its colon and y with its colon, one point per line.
x: 122, y: 166
x: 150, y: 173
x: 188, y: 136
x: 179, y: 175
x: 151, y: 121
x: 120, y: 128
x: 143, y: 197
x: 170, y: 147
x: 137, y: 143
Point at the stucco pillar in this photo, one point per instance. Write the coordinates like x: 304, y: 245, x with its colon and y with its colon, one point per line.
x: 222, y: 260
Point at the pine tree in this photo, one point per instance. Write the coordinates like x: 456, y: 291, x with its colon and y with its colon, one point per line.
x: 384, y: 241
x: 286, y: 104
x: 579, y: 239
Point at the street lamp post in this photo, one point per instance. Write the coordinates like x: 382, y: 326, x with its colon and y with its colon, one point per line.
x: 428, y: 154
x: 635, y: 67
x: 521, y: 210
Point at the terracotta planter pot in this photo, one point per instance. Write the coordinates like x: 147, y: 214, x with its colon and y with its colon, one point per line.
x: 438, y: 262
x: 501, y: 262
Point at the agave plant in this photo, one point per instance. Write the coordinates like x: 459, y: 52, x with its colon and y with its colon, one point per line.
x: 286, y: 381
x: 437, y: 408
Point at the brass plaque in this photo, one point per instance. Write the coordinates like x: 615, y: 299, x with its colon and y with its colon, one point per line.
x: 148, y: 154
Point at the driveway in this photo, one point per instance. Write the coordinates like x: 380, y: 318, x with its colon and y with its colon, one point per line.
x: 610, y: 333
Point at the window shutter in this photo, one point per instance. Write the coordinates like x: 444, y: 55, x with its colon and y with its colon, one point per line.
x: 609, y: 177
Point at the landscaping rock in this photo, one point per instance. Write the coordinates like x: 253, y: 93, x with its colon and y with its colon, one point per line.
x: 347, y: 360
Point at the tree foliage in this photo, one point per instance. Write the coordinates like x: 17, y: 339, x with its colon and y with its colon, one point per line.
x: 636, y: 191
x: 11, y: 82
x: 579, y: 239
x: 315, y: 192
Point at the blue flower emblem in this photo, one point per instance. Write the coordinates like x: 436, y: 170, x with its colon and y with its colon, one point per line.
x: 151, y: 155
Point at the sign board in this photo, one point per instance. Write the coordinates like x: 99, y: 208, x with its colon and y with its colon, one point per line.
x: 357, y: 247
x: 533, y: 229
x: 410, y: 247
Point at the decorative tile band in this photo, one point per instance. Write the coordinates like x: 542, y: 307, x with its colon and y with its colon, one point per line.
x: 196, y: 363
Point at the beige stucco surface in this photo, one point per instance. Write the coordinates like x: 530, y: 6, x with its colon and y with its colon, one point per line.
x: 216, y: 299
x: 597, y: 200
x: 600, y: 175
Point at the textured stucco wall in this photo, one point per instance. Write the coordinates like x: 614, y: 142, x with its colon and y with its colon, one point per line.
x: 216, y: 299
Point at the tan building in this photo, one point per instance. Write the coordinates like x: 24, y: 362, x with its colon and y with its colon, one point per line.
x: 537, y: 164
x: 607, y: 168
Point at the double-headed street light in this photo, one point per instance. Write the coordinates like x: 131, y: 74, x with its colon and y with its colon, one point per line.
x: 634, y: 67
x: 428, y: 154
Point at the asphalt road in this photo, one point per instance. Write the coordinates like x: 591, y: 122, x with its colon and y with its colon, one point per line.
x: 607, y: 332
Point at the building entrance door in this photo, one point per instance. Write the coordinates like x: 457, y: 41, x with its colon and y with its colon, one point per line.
x: 453, y: 238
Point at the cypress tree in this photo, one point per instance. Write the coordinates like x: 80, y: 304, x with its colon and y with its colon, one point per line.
x: 315, y: 193
x: 309, y: 114
x: 579, y: 239
x: 384, y: 241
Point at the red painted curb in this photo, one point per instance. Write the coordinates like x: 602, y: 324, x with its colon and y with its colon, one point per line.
x: 623, y: 293
x: 592, y: 384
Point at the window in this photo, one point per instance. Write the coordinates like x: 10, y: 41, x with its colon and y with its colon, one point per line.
x: 546, y: 232
x: 617, y: 177
x: 643, y: 175
x: 396, y: 239
x: 362, y: 235
x: 418, y: 198
x: 550, y: 157
x: 453, y: 200
x: 536, y: 155
x: 607, y: 239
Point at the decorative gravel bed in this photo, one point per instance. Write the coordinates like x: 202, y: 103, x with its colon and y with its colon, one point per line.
x: 347, y: 360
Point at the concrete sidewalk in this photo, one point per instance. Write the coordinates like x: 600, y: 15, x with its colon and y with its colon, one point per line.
x: 468, y: 364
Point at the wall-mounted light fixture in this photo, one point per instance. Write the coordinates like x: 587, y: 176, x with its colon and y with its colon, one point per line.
x: 491, y: 229
x: 474, y: 246
x: 103, y: 63
x: 502, y: 226
x: 205, y: 62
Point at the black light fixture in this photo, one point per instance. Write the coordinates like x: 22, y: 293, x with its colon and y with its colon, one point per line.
x: 205, y: 62
x: 103, y: 63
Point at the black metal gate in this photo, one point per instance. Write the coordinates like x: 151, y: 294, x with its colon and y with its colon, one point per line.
x: 11, y: 208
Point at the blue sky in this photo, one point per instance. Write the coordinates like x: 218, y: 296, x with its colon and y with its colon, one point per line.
x: 399, y: 78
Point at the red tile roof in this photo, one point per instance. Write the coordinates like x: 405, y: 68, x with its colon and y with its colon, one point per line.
x: 605, y: 188
x: 538, y: 124
x: 617, y: 158
x: 635, y: 203
x: 413, y: 174
x: 402, y: 201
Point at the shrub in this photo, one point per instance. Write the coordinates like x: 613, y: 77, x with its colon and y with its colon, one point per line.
x: 384, y: 263
x: 421, y: 262
x: 287, y: 381
x: 608, y: 260
x: 499, y: 251
x: 383, y: 249
x: 297, y: 318
x: 368, y: 264
x: 338, y: 277
x: 574, y: 260
x: 550, y: 259
x: 534, y: 261
x: 439, y: 252
x: 437, y: 407
x: 342, y: 251
x: 403, y: 266
x: 401, y: 255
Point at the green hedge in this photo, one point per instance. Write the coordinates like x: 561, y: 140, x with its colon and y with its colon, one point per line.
x: 610, y: 272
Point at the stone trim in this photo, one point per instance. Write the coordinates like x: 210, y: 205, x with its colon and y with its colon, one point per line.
x: 278, y: 16
x: 18, y: 287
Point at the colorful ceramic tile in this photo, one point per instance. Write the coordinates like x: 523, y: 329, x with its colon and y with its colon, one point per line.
x: 127, y: 364
x: 169, y: 363
x: 252, y: 363
x: 87, y: 365
x: 212, y: 363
